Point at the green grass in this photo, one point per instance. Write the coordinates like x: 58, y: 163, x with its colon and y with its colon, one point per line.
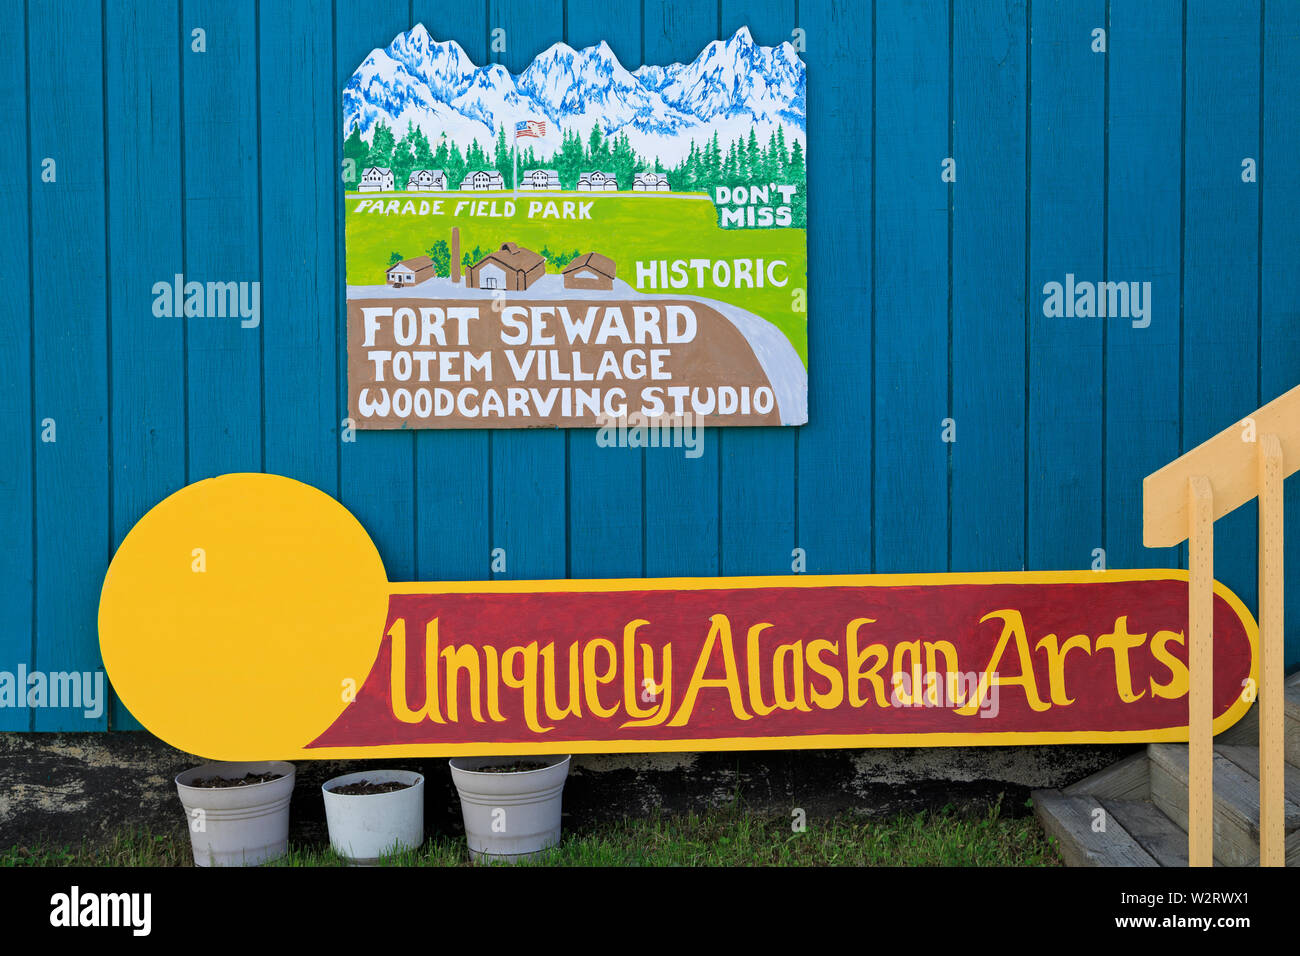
x: 733, y: 836
x: 625, y: 228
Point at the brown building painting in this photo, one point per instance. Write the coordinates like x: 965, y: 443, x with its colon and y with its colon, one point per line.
x: 590, y: 271
x: 512, y: 268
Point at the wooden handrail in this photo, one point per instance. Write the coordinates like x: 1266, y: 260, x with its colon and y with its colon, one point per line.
x: 1181, y: 502
x: 1229, y: 461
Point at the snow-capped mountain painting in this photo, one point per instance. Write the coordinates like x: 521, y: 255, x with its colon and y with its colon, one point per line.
x: 733, y: 89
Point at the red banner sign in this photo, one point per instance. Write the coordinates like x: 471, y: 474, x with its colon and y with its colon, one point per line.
x: 650, y: 665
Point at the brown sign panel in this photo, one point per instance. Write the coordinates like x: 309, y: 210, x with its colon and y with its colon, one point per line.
x: 475, y: 363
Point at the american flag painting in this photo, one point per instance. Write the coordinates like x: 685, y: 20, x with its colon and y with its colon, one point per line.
x: 534, y: 128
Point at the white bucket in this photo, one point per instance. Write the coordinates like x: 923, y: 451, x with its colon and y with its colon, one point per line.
x: 237, y: 826
x: 510, y: 816
x: 366, y: 826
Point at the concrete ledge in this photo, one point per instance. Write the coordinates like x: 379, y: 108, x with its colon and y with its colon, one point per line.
x: 70, y: 788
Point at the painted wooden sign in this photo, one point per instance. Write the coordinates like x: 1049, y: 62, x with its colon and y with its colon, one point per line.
x: 576, y: 244
x: 249, y: 617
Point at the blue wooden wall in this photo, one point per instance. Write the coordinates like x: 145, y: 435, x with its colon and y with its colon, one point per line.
x: 926, y: 296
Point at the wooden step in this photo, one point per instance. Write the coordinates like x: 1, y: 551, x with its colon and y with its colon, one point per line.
x: 1247, y: 758
x: 1153, y: 831
x: 1236, y: 797
x: 1128, y: 779
x: 1074, y: 821
x: 1144, y: 802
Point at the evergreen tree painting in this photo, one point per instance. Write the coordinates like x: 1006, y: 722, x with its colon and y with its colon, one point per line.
x: 440, y: 253
x: 503, y: 161
x: 381, y: 148
x: 355, y: 152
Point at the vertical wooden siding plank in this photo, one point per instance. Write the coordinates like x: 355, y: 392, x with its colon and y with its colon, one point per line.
x: 834, y: 480
x: 757, y: 508
x: 377, y: 470
x: 451, y: 494
x: 1220, y: 273
x: 911, y: 249
x: 1067, y: 130
x: 681, y: 494
x: 70, y: 335
x: 605, y: 486
x: 1280, y: 251
x: 145, y: 246
x: 300, y: 176
x: 529, y: 487
x: 19, y: 166
x: 1145, y: 59
x: 990, y: 64
x: 222, y: 235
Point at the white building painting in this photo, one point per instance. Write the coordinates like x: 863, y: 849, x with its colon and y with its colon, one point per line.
x: 540, y: 179
x: 376, y: 179
x: 650, y: 182
x: 597, y: 182
x: 427, y: 180
x: 480, y: 179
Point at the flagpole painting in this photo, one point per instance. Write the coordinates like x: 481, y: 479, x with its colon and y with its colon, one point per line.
x: 646, y: 263
x: 533, y: 128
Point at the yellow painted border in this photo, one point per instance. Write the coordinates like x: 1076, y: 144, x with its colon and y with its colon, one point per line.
x: 815, y: 741
x: 809, y: 581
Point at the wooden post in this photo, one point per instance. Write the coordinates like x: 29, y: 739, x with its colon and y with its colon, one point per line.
x: 1272, y: 837
x: 1200, y: 660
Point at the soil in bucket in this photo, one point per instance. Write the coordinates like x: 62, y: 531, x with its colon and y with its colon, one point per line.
x: 365, y: 787
x: 517, y: 766
x: 247, y: 780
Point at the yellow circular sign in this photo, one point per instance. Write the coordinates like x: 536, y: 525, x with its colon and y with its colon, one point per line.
x: 242, y: 608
